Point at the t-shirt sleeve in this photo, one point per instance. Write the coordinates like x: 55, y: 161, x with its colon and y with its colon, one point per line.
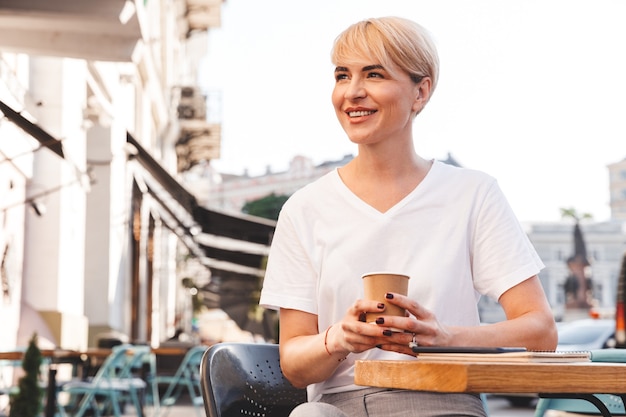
x: 503, y: 256
x: 290, y: 278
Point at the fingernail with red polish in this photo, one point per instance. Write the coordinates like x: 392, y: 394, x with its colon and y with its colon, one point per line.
x: 389, y: 296
x: 380, y: 306
x: 380, y: 320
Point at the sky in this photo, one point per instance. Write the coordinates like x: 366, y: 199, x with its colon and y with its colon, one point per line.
x: 532, y: 92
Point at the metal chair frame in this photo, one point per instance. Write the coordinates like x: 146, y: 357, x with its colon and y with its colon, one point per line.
x: 186, y: 376
x: 114, y: 382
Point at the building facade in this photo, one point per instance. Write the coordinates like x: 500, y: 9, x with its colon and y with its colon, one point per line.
x: 605, y: 245
x: 102, y: 113
x: 617, y: 187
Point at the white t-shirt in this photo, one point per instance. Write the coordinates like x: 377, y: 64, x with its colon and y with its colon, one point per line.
x: 455, y: 235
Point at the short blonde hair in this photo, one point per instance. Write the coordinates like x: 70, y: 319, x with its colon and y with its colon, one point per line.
x: 390, y: 40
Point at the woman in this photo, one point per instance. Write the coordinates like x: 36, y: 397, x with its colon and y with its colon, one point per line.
x: 450, y: 229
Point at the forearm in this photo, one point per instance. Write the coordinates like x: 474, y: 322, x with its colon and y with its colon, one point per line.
x: 530, y: 322
x: 311, y: 358
x: 534, y: 330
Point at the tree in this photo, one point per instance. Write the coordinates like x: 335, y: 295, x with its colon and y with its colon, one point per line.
x: 27, y: 402
x: 267, y: 207
x: 571, y: 212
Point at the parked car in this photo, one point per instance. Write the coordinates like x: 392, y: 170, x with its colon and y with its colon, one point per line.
x: 583, y: 334
x: 586, y: 334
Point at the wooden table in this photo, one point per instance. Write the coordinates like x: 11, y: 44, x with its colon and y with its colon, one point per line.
x: 571, y: 380
x: 54, y: 357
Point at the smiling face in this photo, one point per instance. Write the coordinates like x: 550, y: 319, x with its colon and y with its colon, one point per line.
x: 373, y: 102
x: 386, y: 70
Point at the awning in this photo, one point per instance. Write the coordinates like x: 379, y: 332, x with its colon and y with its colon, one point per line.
x: 227, y: 243
x: 212, y: 247
x: 33, y: 129
x: 100, y: 30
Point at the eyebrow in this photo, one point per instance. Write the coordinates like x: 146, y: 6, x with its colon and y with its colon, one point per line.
x: 364, y: 69
x: 373, y: 67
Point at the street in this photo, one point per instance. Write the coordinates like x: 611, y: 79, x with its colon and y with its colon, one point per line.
x: 500, y: 407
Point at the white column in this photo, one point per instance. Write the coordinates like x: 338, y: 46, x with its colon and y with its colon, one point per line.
x: 55, y: 241
x: 107, y: 231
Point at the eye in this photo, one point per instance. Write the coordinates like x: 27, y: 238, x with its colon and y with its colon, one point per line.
x: 374, y: 74
x: 341, y: 76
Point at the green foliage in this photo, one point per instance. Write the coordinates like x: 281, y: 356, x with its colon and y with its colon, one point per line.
x: 27, y: 402
x: 571, y: 212
x: 267, y: 207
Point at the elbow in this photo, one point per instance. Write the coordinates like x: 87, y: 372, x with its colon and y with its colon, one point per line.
x: 552, y: 337
x: 548, y: 337
x: 294, y: 378
x: 541, y: 333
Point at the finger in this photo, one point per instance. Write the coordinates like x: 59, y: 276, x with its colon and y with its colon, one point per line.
x: 362, y: 336
x: 360, y: 307
x: 412, y: 306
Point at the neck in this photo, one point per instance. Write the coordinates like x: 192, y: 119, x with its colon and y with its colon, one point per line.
x: 396, y: 165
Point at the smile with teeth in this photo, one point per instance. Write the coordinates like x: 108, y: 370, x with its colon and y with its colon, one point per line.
x: 361, y: 113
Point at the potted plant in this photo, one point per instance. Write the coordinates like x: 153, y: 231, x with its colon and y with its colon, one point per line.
x: 28, y: 401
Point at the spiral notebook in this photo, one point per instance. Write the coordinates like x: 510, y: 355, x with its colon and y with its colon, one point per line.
x: 479, y: 354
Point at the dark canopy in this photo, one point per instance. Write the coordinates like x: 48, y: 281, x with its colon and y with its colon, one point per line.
x: 33, y: 129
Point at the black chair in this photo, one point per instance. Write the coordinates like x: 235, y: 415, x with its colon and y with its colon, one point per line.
x: 244, y: 379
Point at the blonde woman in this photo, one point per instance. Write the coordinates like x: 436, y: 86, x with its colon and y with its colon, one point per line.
x: 450, y: 229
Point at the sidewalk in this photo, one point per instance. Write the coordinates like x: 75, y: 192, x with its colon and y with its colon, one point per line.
x: 182, y: 410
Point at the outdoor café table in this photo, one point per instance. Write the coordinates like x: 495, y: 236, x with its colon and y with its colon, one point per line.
x: 87, y: 358
x: 54, y: 357
x: 95, y: 356
x: 561, y: 380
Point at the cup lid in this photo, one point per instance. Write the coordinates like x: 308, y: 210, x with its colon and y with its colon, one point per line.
x: 384, y: 273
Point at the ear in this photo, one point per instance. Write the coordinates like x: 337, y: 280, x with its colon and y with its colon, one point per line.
x: 422, y: 94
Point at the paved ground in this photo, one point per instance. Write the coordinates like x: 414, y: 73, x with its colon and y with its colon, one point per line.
x: 499, y: 407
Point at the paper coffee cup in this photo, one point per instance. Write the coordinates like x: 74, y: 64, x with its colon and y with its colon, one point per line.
x: 377, y: 284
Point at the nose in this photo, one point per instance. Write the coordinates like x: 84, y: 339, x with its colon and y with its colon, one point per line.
x: 355, y: 90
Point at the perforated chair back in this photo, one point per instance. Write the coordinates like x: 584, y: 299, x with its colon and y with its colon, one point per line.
x: 244, y: 379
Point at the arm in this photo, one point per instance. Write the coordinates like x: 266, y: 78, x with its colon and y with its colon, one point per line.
x: 309, y: 355
x: 303, y: 357
x: 529, y: 322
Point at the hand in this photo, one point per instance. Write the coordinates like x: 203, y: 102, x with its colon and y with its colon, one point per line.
x: 352, y: 334
x: 421, y: 326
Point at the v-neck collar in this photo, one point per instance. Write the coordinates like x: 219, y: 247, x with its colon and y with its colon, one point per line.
x: 361, y: 205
